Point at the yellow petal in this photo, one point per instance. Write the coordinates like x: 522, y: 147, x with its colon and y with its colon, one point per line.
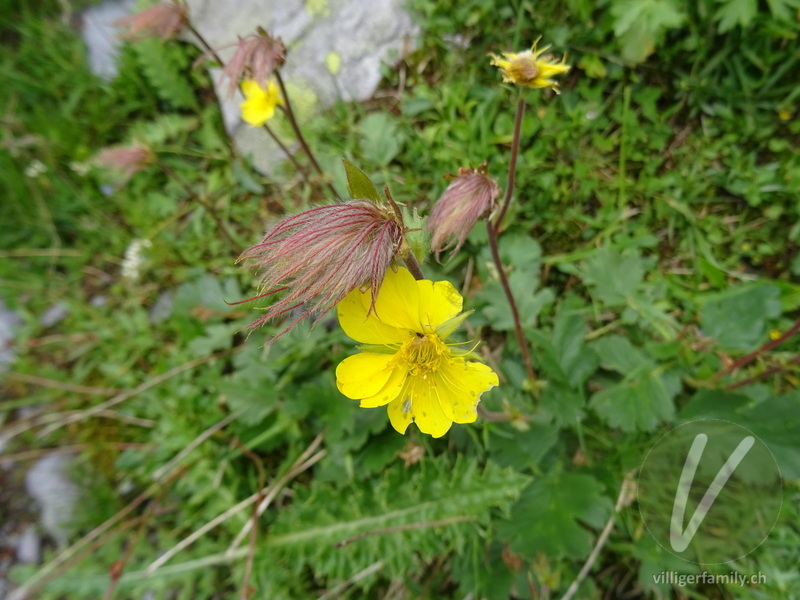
x: 363, y: 375
x: 399, y: 418
x: 459, y: 388
x: 352, y: 312
x: 257, y: 112
x: 391, y: 390
x: 426, y: 409
x: 398, y: 301
x: 250, y: 88
x: 395, y: 317
x: 438, y: 302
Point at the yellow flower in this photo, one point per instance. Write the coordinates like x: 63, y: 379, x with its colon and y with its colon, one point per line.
x: 405, y: 362
x: 528, y: 69
x: 259, y: 104
x: 775, y: 334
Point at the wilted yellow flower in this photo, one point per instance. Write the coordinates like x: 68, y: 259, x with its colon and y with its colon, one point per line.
x: 406, y: 362
x: 530, y: 68
x: 259, y: 103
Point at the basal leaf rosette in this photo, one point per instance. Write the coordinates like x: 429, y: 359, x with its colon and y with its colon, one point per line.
x: 406, y: 362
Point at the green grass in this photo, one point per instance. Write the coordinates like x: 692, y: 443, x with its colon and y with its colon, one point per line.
x: 654, y: 236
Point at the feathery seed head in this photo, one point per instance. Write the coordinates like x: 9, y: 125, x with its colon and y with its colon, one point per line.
x: 125, y: 160
x: 256, y: 57
x: 164, y: 21
x: 320, y: 255
x: 471, y: 196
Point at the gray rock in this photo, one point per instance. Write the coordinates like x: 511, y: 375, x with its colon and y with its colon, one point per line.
x: 162, y: 308
x: 98, y: 301
x: 356, y: 34
x: 9, y: 321
x: 100, y: 35
x: 55, y: 314
x: 48, y: 483
x: 29, y: 546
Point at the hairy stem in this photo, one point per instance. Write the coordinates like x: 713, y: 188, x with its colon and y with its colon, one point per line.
x: 413, y: 266
x: 523, y: 345
x: 748, y: 358
x: 512, y: 168
x: 296, y: 128
x: 300, y: 169
x: 201, y: 201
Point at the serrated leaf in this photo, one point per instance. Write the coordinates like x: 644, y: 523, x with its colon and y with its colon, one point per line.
x: 162, y: 129
x: 640, y: 24
x: 619, y: 354
x: 737, y: 317
x: 423, y: 511
x: 563, y: 405
x: 640, y: 402
x: 563, y: 354
x: 521, y: 449
x: 774, y: 419
x: 162, y: 65
x: 735, y: 12
x: 612, y: 277
x: 359, y: 185
x: 549, y: 516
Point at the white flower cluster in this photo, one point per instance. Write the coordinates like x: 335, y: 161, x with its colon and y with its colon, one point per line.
x: 35, y: 168
x: 79, y: 168
x: 132, y: 262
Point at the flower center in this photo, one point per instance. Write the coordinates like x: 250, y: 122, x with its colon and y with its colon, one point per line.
x: 423, y: 354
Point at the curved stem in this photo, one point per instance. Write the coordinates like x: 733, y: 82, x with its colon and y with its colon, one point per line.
x: 209, y: 50
x: 296, y: 128
x: 748, y: 358
x: 289, y: 155
x: 512, y: 168
x: 202, y: 202
x: 523, y: 345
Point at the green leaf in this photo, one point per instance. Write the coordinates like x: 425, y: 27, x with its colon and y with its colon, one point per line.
x: 774, y: 419
x: 593, y: 66
x: 549, y: 517
x: 163, y: 66
x: 163, y: 129
x: 737, y: 317
x: 611, y: 276
x: 618, y: 354
x: 640, y: 25
x: 521, y: 449
x: 359, y: 185
x: 640, y: 402
x: 381, y: 140
x: 423, y: 511
x: 735, y: 12
x: 563, y: 405
x: 782, y: 9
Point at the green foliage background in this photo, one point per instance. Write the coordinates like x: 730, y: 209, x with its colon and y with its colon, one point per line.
x: 653, y: 238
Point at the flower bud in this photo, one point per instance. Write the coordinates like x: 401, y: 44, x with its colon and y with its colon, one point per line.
x: 471, y: 196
